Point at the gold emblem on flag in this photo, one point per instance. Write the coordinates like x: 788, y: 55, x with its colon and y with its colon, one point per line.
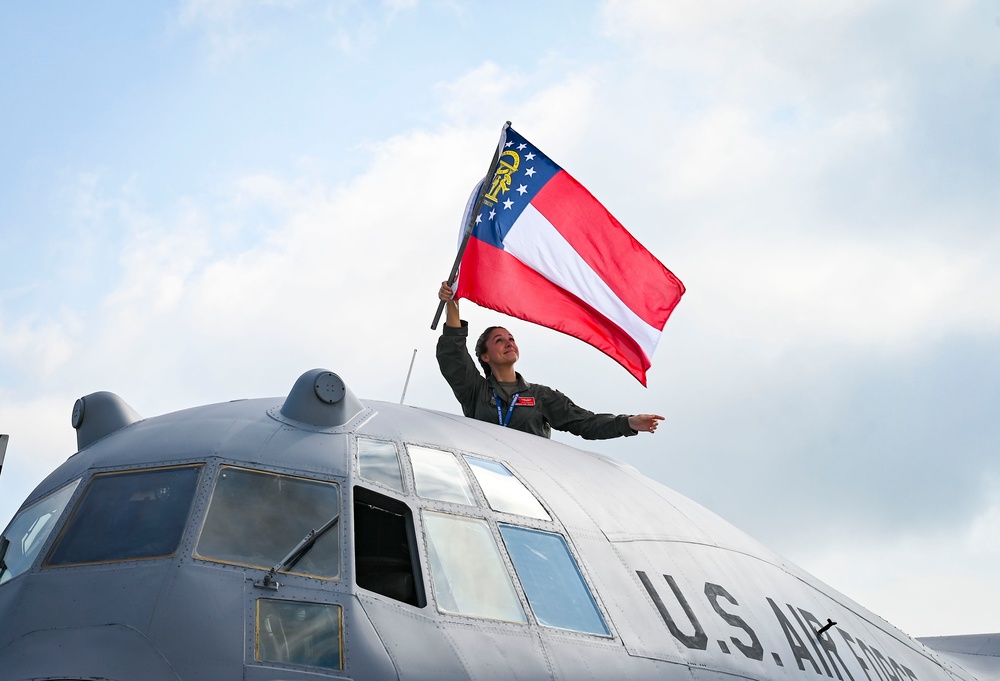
x: 502, y: 177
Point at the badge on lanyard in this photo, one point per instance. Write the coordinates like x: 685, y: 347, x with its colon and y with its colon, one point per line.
x: 501, y: 419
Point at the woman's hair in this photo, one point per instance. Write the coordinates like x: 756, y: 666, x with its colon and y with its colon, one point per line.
x: 481, y: 348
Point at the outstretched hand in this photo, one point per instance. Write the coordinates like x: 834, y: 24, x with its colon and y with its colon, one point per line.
x: 644, y: 423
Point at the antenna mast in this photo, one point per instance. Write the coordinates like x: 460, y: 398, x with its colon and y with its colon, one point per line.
x: 407, y: 383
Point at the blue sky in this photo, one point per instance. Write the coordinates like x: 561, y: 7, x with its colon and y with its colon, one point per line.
x: 201, y: 200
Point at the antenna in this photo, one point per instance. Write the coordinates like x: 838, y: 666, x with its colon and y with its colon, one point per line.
x: 3, y: 449
x: 406, y: 384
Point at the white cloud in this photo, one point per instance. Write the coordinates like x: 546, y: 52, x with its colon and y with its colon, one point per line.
x: 939, y: 583
x: 223, y: 11
x: 396, y: 7
x: 765, y: 46
x: 562, y: 115
x: 40, y: 440
x: 227, y: 25
x: 844, y: 290
x: 983, y: 536
x: 38, y: 347
x: 720, y: 149
x: 478, y: 93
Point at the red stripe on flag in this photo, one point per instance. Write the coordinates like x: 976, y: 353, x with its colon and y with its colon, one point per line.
x: 634, y: 274
x: 497, y: 280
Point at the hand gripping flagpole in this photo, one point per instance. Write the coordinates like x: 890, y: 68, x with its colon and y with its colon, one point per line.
x: 471, y: 223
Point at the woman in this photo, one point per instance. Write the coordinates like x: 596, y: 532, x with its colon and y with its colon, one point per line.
x: 505, y: 398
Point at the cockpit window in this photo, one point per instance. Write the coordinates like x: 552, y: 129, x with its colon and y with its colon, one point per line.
x: 256, y: 518
x: 385, y: 554
x: 505, y: 493
x: 552, y: 581
x: 379, y: 462
x: 30, y: 529
x: 467, y: 570
x: 128, y: 516
x: 439, y: 476
x: 293, y: 632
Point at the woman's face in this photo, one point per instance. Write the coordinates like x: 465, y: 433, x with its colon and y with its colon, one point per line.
x: 500, y: 348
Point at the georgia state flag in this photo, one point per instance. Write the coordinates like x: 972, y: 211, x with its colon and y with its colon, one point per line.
x: 543, y: 249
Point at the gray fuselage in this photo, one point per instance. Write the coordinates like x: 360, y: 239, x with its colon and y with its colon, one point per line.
x: 448, y: 549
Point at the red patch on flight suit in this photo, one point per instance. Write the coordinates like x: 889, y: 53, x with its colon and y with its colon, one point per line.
x: 526, y: 401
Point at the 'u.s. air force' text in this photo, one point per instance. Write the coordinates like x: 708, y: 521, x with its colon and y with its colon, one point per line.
x: 799, y: 627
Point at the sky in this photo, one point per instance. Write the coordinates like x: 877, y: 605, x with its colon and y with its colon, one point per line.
x: 201, y: 200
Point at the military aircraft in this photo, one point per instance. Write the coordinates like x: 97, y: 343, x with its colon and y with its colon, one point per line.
x: 319, y: 536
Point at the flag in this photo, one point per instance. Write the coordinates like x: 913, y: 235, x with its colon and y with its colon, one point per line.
x: 543, y: 249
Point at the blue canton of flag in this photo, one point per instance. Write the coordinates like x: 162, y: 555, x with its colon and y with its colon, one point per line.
x: 522, y: 170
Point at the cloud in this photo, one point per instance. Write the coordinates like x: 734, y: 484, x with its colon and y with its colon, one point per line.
x: 231, y: 28
x: 36, y: 347
x: 397, y: 7
x: 194, y: 11
x: 785, y: 44
x: 837, y: 291
x: 983, y: 536
x: 191, y: 297
x: 477, y: 93
x: 40, y: 440
x: 819, y: 100
x: 926, y: 579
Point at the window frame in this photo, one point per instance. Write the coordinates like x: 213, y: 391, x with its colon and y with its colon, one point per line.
x: 216, y: 476
x: 475, y: 497
x: 404, y: 474
x: 578, y: 570
x: 504, y: 561
x: 483, y: 511
x: 285, y: 601
x: 54, y: 530
x: 80, y: 496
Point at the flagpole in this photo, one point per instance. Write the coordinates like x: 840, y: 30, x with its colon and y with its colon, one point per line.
x: 467, y: 234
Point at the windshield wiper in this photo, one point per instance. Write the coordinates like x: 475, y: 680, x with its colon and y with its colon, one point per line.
x: 295, y: 555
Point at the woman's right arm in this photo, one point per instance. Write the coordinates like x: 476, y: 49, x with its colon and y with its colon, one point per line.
x: 452, y: 317
x: 453, y: 357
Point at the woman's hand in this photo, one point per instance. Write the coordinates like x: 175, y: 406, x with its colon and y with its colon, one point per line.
x: 446, y: 294
x: 644, y: 423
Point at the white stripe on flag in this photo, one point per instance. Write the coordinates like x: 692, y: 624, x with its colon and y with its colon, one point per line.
x: 536, y: 243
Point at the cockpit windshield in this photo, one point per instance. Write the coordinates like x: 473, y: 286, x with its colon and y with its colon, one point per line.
x: 439, y: 476
x: 30, y: 529
x: 469, y: 570
x: 255, y: 518
x: 552, y: 581
x: 503, y: 491
x: 128, y: 516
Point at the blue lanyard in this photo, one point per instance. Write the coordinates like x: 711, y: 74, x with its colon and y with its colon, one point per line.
x: 501, y: 419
